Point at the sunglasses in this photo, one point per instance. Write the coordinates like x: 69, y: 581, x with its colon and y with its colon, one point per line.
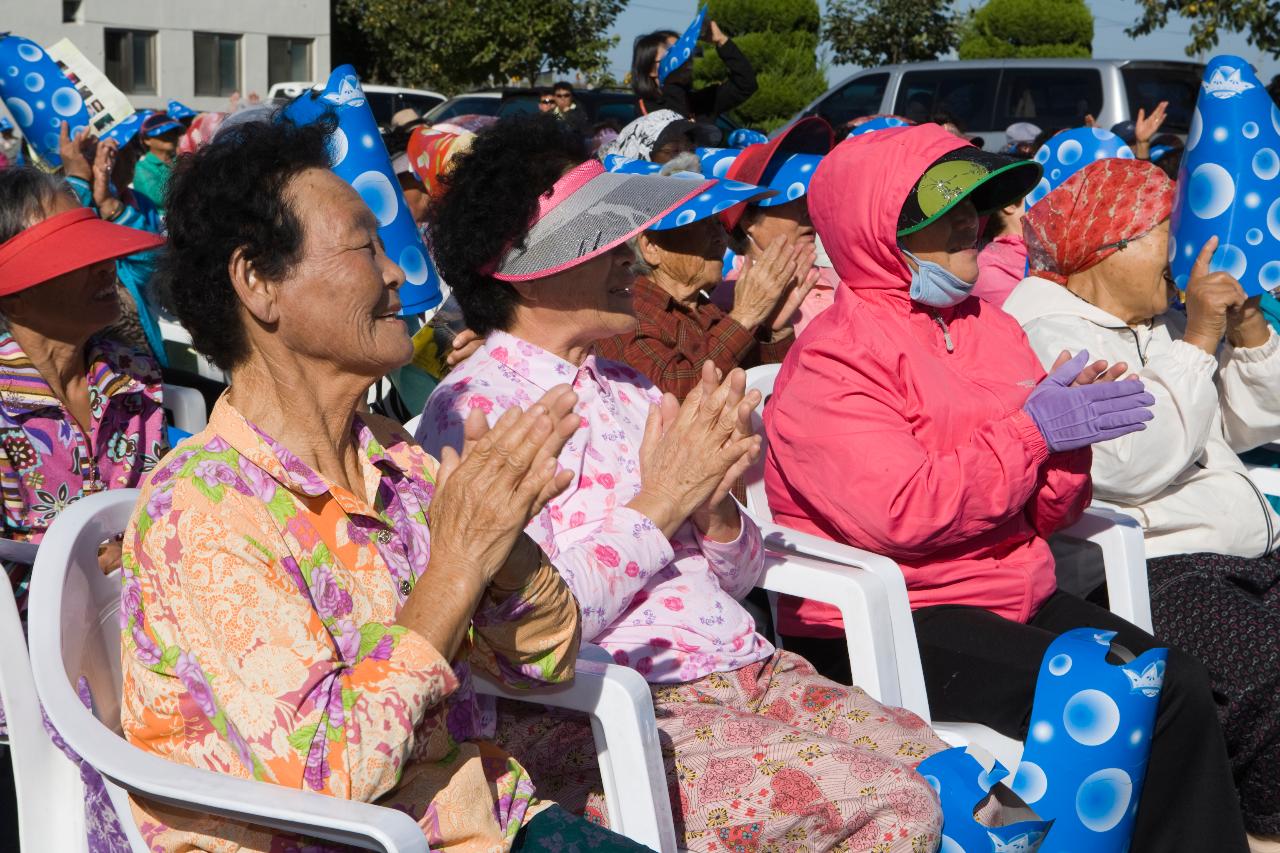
x: 547, y: 101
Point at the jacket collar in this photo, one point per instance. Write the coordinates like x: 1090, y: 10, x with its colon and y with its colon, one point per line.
x: 1036, y: 298
x: 228, y: 426
x: 114, y: 370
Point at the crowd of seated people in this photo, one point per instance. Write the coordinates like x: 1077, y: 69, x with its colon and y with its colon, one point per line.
x: 309, y: 591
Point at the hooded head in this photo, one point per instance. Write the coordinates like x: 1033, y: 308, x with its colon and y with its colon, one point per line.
x: 857, y: 195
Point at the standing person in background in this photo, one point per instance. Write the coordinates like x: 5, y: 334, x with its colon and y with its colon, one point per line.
x: 567, y: 108
x: 159, y: 136
x: 10, y: 145
x: 546, y: 102
x: 676, y: 92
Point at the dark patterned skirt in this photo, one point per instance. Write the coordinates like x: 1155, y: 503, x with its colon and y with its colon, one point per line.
x: 1226, y: 611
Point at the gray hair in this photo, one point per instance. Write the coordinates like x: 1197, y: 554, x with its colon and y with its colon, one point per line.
x: 26, y: 197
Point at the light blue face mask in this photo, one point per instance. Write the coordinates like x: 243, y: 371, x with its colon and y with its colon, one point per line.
x: 934, y: 285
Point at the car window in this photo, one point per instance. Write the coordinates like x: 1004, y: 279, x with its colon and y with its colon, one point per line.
x: 382, y: 105
x: 1148, y: 86
x: 857, y: 98
x: 1048, y: 97
x: 518, y: 106
x: 465, y: 106
x: 968, y: 95
x: 421, y: 103
x: 623, y: 112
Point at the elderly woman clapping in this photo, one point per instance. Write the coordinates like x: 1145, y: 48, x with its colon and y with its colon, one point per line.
x: 1211, y: 536
x: 79, y: 411
x: 532, y: 237
x: 679, y: 261
x: 305, y: 590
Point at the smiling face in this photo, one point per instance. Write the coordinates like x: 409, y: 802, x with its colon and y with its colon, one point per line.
x: 339, y: 303
x: 950, y: 241
x: 72, y: 306
x: 584, y: 303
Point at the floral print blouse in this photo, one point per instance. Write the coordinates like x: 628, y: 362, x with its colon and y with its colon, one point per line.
x: 669, y: 609
x: 258, y: 613
x: 46, y: 460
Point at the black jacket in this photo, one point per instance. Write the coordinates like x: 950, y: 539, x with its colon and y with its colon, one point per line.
x: 709, y: 102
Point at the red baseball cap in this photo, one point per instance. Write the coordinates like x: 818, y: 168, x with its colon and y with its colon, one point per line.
x: 810, y: 135
x: 64, y: 243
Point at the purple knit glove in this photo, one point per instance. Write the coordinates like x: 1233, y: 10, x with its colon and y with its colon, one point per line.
x: 1070, y: 418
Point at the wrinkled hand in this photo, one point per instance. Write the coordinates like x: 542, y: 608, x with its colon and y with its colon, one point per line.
x: 1146, y: 126
x: 1071, y: 416
x: 464, y: 345
x: 805, y: 278
x: 1247, y: 326
x: 763, y: 285
x: 716, y: 34
x: 692, y: 454
x: 504, y: 476
x: 77, y: 152
x: 1211, y: 297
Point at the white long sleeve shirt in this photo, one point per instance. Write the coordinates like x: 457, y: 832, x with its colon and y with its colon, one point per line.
x: 1181, y: 477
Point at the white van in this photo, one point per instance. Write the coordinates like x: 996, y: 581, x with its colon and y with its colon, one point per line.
x: 988, y: 95
x: 385, y: 101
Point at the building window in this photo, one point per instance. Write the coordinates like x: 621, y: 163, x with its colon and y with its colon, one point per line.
x: 131, y: 60
x: 217, y: 62
x: 288, y: 60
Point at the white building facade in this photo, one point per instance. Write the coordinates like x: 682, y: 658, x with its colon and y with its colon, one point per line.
x: 194, y: 51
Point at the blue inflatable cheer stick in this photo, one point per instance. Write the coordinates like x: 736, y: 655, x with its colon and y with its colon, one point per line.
x: 1070, y: 151
x: 39, y: 96
x: 360, y: 159
x: 1089, y: 740
x: 962, y: 779
x: 1229, y: 181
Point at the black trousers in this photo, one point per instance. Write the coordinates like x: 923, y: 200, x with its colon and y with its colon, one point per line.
x: 982, y: 668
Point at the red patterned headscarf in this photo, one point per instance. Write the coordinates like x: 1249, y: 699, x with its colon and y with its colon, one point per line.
x: 1093, y: 214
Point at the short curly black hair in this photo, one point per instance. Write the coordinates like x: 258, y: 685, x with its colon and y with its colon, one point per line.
x: 489, y: 198
x: 231, y: 195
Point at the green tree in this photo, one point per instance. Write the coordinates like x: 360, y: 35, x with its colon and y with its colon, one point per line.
x: 780, y: 37
x: 1007, y: 29
x: 1258, y: 19
x: 453, y: 45
x: 868, y: 33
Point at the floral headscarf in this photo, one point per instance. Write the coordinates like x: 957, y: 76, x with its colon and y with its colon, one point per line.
x: 431, y: 152
x: 637, y: 139
x: 1094, y: 214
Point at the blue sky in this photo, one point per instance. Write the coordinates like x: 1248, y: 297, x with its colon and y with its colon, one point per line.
x: 1109, y: 41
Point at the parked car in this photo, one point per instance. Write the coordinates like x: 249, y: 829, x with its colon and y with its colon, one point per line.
x: 988, y: 95
x: 385, y: 101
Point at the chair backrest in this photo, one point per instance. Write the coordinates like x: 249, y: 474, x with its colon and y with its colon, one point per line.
x: 42, y: 774
x: 412, y: 424
x: 74, y: 630
x: 186, y: 406
x: 760, y: 379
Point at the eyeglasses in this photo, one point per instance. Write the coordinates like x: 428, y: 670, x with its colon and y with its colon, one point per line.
x: 547, y: 101
x: 564, y: 94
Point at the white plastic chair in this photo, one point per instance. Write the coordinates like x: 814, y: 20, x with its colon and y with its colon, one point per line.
x: 1267, y: 479
x: 43, y: 776
x: 1119, y: 537
x: 412, y: 424
x: 74, y: 630
x: 186, y: 405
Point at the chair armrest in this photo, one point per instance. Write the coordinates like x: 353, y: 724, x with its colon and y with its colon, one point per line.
x: 872, y: 598
x: 1124, y: 560
x: 363, y: 825
x: 18, y: 552
x: 626, y: 734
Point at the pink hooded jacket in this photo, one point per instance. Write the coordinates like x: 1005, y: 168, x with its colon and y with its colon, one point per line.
x: 899, y: 428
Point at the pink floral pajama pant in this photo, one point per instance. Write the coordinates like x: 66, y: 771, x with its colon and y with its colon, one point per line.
x: 769, y: 757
